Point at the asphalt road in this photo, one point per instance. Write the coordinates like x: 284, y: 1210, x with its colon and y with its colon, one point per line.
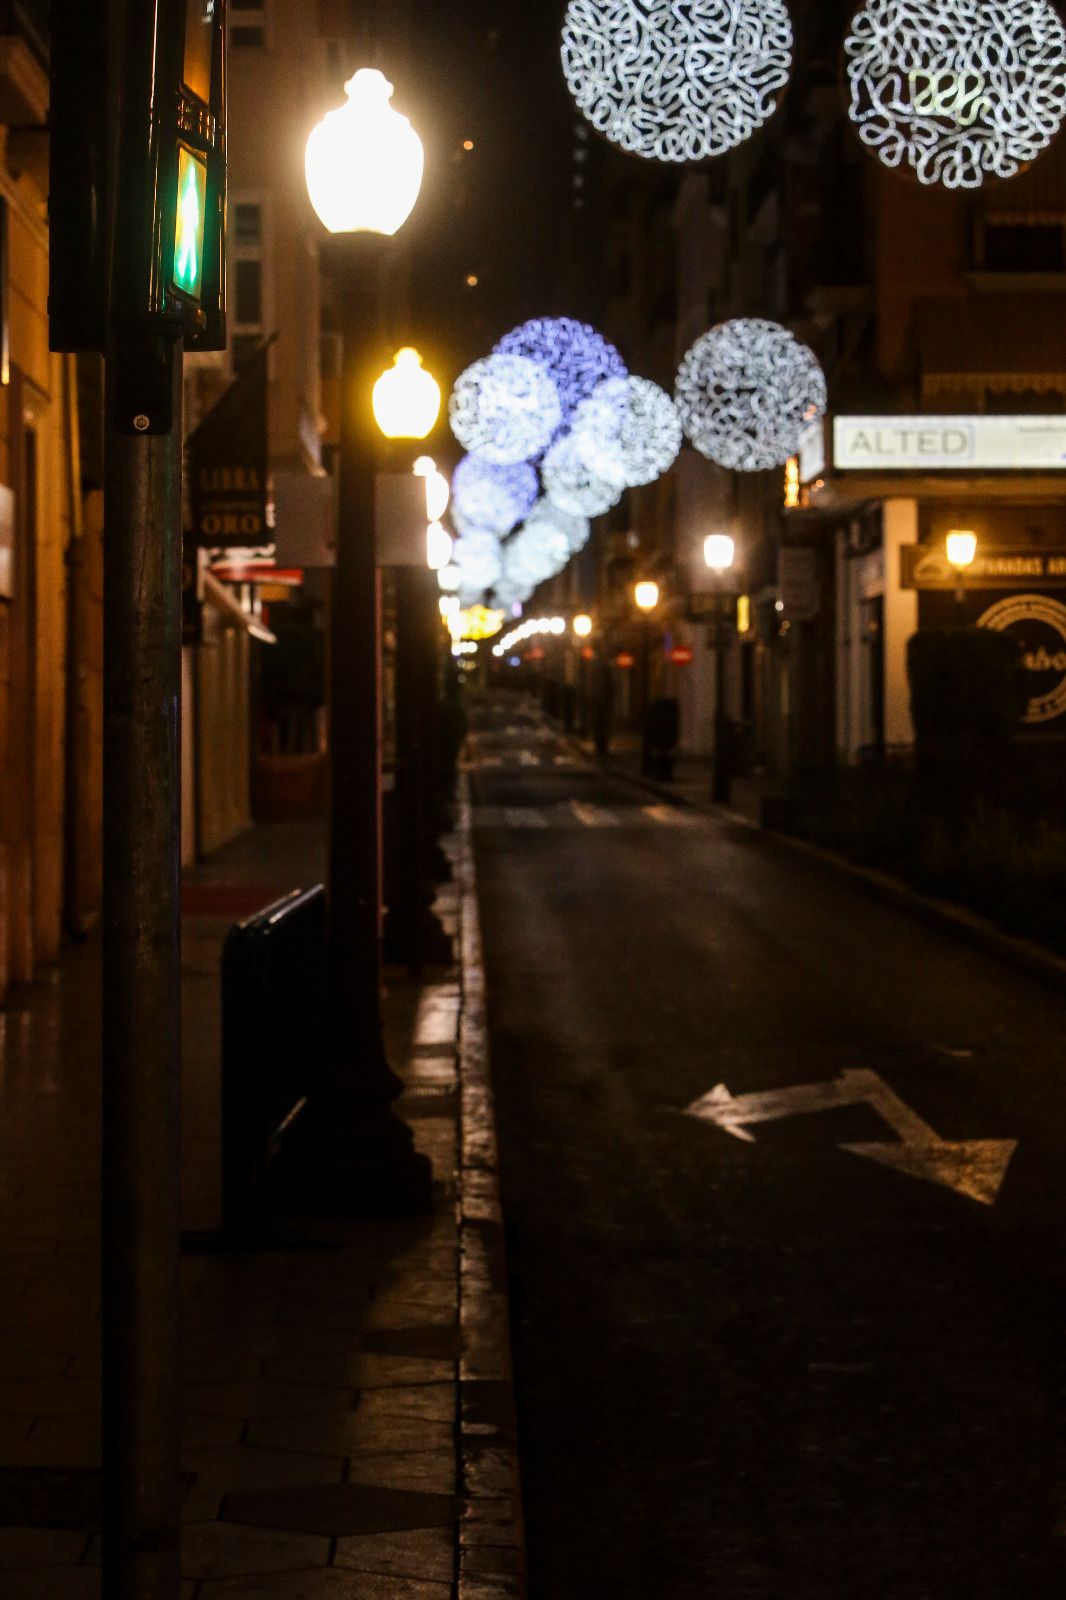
x: 776, y: 1368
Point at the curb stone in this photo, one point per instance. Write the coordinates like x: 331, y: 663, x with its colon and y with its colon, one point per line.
x: 492, y: 1563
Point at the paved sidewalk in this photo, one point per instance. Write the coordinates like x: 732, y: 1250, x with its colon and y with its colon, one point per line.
x: 322, y: 1440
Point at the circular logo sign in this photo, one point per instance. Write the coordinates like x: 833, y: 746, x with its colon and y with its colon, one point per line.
x: 1039, y: 624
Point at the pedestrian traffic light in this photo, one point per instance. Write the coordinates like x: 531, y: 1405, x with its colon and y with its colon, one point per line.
x: 138, y: 185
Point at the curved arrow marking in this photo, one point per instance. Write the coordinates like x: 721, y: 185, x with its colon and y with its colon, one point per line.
x: 975, y: 1168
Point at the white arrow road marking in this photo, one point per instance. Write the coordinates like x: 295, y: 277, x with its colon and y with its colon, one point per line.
x: 972, y: 1167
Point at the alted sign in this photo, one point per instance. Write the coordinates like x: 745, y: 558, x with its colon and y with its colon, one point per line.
x: 949, y: 444
x: 228, y: 465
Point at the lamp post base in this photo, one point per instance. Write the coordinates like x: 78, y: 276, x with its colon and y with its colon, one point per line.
x: 341, y: 1159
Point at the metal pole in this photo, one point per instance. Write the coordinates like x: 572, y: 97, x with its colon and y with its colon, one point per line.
x: 355, y: 833
x: 141, y: 1009
x: 348, y: 1152
x: 721, y: 787
x: 645, y: 651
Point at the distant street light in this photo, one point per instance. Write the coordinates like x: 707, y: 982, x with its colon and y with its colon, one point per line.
x: 406, y: 398
x: 719, y: 553
x: 646, y: 598
x: 582, y: 625
x: 961, y: 548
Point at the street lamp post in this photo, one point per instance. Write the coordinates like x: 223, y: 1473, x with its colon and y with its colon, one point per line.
x: 719, y: 551
x: 646, y: 597
x: 348, y: 1150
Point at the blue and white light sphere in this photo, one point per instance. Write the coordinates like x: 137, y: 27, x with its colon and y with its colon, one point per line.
x: 745, y: 392
x: 494, y: 497
x: 505, y: 408
x: 528, y: 560
x: 548, y: 520
x: 676, y: 81
x: 577, y: 357
x: 628, y: 427
x: 478, y: 557
x: 573, y: 485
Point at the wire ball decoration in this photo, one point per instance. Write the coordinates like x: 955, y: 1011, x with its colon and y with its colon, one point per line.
x: 531, y: 558
x: 629, y: 427
x: 496, y: 498
x: 573, y: 486
x: 547, y: 520
x: 573, y: 353
x: 672, y: 82
x: 746, y: 390
x: 505, y: 409
x: 956, y: 91
x: 478, y: 557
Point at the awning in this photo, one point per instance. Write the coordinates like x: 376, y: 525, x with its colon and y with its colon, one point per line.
x: 1004, y: 343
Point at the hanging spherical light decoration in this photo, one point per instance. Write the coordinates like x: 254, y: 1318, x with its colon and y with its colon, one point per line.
x: 506, y: 595
x: 676, y: 82
x: 530, y: 560
x: 477, y: 555
x: 573, y: 353
x: 956, y: 91
x: 505, y: 408
x: 746, y: 390
x: 572, y: 485
x: 551, y: 519
x: 493, y: 497
x: 628, y: 426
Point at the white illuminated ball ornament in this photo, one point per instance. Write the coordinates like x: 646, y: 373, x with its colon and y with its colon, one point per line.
x: 549, y: 519
x: 676, y: 82
x: 574, y: 354
x: 746, y: 390
x: 572, y: 485
x: 630, y: 427
x: 956, y: 91
x: 505, y: 409
x: 364, y: 161
x: 492, y: 497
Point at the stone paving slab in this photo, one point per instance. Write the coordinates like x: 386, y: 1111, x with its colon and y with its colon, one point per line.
x: 321, y: 1387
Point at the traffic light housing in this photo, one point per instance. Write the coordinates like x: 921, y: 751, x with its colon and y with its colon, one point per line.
x: 137, y: 200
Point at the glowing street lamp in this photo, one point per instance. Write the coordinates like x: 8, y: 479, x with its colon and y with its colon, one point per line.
x: 364, y: 165
x: 718, y: 552
x: 438, y: 490
x: 646, y: 596
x: 438, y: 547
x: 961, y: 548
x: 406, y: 398
x: 364, y: 161
x: 582, y: 625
